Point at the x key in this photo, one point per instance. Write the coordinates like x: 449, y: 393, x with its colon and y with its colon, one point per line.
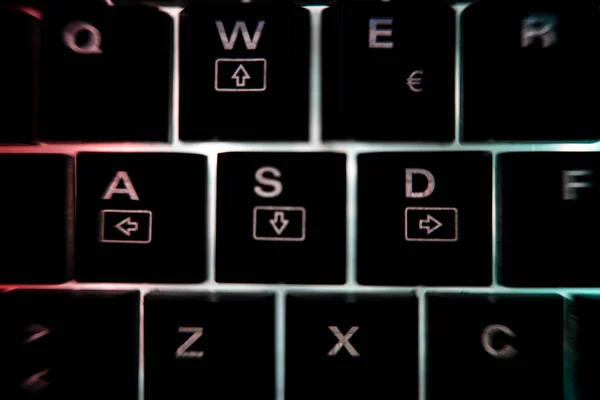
x: 351, y: 338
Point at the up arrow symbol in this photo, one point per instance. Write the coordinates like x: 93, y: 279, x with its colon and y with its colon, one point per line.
x: 240, y: 75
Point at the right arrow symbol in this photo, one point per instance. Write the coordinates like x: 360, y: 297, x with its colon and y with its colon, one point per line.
x: 430, y: 224
x: 240, y: 75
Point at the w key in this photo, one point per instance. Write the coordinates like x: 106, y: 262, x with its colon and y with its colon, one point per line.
x: 241, y: 65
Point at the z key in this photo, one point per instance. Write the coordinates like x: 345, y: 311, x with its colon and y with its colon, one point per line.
x: 244, y: 72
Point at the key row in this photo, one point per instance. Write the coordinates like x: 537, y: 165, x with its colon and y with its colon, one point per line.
x: 59, y: 343
x: 388, y: 72
x: 423, y: 218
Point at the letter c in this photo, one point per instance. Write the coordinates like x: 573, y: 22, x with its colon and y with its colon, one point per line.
x: 506, y: 351
x: 92, y: 46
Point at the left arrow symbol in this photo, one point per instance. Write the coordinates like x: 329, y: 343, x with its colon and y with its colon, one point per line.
x: 127, y: 226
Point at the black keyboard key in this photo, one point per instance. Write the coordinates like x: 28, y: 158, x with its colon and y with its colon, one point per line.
x: 352, y: 347
x: 425, y: 219
x: 583, y: 348
x: 246, y: 67
x: 388, y: 67
x: 69, y: 344
x: 141, y: 217
x: 518, y: 60
x: 210, y: 346
x: 285, y: 216
x: 37, y: 210
x: 494, y: 347
x: 548, y: 208
x: 106, y: 73
x: 19, y: 42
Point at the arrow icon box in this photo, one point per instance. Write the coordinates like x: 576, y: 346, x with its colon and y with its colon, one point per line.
x: 285, y: 223
x: 141, y: 220
x: 241, y: 75
x: 416, y: 218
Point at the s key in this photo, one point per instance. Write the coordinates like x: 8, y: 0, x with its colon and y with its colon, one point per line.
x: 387, y: 68
x: 141, y: 217
x: 425, y: 218
x: 211, y: 346
x: 529, y: 64
x: 352, y: 347
x: 548, y: 210
x: 105, y: 73
x: 494, y: 347
x: 285, y: 216
x: 244, y: 72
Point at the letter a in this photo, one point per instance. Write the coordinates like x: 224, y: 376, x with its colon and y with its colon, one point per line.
x: 113, y: 188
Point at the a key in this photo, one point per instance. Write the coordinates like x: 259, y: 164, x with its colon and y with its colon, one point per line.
x: 388, y: 67
x: 351, y: 347
x: 425, y: 218
x: 69, y: 344
x: 37, y: 210
x: 19, y: 38
x: 582, y: 346
x: 141, y: 217
x: 494, y: 347
x: 548, y: 208
x: 106, y: 73
x: 244, y: 72
x: 213, y: 346
x: 519, y: 61
x: 285, y: 216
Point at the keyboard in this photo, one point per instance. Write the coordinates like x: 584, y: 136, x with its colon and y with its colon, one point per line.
x: 281, y: 200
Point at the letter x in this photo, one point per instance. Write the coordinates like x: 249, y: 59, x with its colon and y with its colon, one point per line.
x: 343, y: 341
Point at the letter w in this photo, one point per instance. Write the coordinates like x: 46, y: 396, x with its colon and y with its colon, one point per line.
x: 229, y: 42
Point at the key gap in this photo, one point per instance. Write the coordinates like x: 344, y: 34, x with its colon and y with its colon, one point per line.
x: 315, y: 74
x: 280, y: 315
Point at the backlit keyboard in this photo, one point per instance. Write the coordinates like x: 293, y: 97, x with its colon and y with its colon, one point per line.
x: 285, y: 201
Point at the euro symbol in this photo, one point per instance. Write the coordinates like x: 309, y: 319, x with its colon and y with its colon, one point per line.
x: 413, y: 81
